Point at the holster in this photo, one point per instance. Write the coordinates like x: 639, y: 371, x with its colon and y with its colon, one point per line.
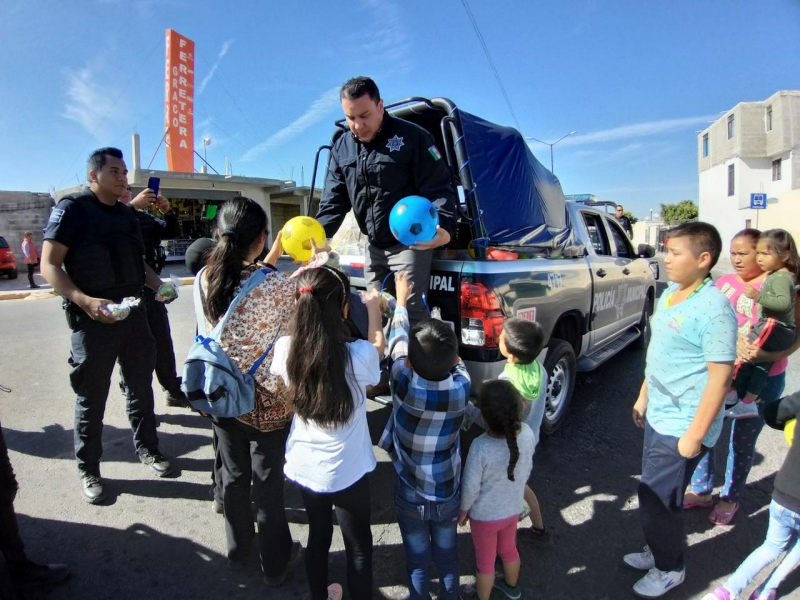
x: 72, y: 312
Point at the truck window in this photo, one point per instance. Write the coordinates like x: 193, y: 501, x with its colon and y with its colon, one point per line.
x: 620, y: 240
x: 597, y: 234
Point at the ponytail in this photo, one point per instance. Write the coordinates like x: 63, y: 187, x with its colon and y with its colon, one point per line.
x: 500, y: 406
x: 318, y: 361
x: 241, y: 221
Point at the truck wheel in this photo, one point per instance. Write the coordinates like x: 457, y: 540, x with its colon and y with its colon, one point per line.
x: 561, y: 368
x: 643, y: 340
x: 12, y: 274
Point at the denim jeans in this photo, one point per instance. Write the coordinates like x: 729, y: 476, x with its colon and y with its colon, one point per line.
x: 429, y: 531
x: 783, y: 534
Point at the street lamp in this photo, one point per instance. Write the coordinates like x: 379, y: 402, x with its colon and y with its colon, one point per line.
x: 206, y: 144
x: 551, y: 145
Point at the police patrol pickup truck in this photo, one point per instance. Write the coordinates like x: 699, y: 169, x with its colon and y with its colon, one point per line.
x: 521, y: 249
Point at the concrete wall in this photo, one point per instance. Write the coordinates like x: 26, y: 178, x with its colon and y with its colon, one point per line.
x: 20, y: 212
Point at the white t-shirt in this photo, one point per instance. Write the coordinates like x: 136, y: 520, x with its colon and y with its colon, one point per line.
x: 330, y: 460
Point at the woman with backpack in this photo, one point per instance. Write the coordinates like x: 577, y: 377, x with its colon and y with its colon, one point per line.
x: 252, y: 446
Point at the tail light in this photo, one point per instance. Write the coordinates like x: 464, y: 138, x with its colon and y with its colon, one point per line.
x: 481, y: 316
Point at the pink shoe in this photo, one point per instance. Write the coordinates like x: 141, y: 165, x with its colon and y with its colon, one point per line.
x: 758, y: 596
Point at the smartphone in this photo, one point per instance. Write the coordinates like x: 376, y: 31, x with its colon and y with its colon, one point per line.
x: 153, y: 184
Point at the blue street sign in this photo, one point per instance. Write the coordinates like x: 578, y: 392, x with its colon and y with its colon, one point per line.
x: 758, y: 201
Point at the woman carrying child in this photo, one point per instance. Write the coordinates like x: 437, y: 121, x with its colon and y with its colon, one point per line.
x: 491, y: 497
x: 329, y: 452
x: 251, y: 447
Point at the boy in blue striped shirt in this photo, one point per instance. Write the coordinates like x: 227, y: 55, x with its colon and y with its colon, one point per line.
x: 430, y: 390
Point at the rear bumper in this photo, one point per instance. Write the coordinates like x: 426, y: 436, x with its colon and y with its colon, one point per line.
x: 481, y: 371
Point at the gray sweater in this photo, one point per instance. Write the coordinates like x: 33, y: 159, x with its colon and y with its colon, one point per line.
x: 486, y: 492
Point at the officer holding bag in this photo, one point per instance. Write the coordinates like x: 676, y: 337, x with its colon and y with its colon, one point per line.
x: 97, y: 241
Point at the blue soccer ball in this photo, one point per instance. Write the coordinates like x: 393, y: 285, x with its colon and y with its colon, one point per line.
x: 413, y: 219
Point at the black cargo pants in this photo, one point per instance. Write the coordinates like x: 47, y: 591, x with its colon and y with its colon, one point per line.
x: 95, y: 348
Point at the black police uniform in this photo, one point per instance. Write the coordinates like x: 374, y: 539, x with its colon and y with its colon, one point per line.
x: 625, y: 223
x: 154, y: 230
x: 402, y: 160
x: 104, y: 260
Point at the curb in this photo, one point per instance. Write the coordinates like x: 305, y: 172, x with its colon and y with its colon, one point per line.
x: 44, y: 294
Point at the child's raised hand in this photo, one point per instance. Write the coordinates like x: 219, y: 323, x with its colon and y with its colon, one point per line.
x: 403, y: 287
x: 750, y: 291
x: 372, y: 299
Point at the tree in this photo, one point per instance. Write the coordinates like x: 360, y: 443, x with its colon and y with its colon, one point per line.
x: 685, y: 210
x: 630, y: 216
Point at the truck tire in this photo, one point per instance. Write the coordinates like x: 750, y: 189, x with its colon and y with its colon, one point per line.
x: 12, y: 274
x: 643, y: 340
x: 561, y: 368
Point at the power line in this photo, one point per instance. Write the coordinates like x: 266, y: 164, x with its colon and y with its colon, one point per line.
x: 491, y: 62
x: 113, y: 104
x: 236, y: 104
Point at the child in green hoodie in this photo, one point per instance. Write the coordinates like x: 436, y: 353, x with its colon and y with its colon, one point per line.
x: 521, y: 341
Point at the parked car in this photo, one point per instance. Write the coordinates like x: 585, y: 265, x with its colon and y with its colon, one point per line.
x: 521, y: 249
x: 8, y: 260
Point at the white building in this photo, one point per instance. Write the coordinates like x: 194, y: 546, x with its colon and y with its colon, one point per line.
x: 753, y: 148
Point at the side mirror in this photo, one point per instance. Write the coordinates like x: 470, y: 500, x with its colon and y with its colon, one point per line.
x: 646, y: 251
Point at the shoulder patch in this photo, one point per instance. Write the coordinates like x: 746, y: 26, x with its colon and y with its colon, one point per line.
x: 56, y: 215
x: 434, y: 152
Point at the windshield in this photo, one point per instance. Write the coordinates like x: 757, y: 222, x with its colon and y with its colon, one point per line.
x: 3, y: 243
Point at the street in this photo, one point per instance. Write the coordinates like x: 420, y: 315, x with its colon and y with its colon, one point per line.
x: 158, y: 538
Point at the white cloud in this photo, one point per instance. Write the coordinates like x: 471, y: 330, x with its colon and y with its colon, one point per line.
x: 88, y: 104
x: 319, y: 109
x: 222, y: 52
x: 637, y: 130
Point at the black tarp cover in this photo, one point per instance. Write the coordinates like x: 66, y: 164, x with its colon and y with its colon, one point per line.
x: 521, y: 202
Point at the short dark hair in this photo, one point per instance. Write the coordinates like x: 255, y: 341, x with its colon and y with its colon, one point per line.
x: 97, y: 159
x: 749, y: 233
x: 524, y: 339
x: 620, y: 207
x: 359, y: 86
x: 703, y: 237
x: 432, y: 349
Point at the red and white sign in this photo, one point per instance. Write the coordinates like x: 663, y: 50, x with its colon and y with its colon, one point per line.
x: 527, y: 313
x: 179, y: 102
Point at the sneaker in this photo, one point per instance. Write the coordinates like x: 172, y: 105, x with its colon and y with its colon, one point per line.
x: 721, y: 593
x: 294, y: 558
x: 641, y: 561
x: 657, y: 583
x: 731, y: 398
x: 335, y: 592
x: 539, y: 537
x: 93, y: 491
x: 158, y: 463
x: 742, y: 410
x: 33, y: 576
x: 513, y: 593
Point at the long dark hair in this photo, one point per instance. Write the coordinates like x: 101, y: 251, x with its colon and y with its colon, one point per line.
x: 240, y: 222
x: 318, y: 361
x: 783, y: 243
x: 500, y: 406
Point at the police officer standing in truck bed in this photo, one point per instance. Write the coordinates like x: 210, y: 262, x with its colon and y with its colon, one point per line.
x: 382, y: 160
x: 154, y: 230
x: 98, y: 242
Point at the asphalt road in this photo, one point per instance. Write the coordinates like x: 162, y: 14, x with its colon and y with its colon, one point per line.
x: 158, y: 538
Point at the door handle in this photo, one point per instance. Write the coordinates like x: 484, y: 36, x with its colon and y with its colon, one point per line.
x: 626, y: 271
x: 601, y: 272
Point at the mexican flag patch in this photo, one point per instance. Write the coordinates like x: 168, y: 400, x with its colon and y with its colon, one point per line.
x: 434, y: 153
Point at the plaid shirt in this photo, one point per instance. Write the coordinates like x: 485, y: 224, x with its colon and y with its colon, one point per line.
x: 422, y: 436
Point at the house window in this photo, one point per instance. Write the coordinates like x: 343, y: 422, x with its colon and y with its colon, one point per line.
x: 776, y: 170
x: 768, y: 118
x: 730, y: 127
x: 730, y: 180
x: 705, y: 145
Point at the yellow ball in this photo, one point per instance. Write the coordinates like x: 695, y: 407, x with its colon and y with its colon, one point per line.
x: 788, y: 431
x: 296, y: 237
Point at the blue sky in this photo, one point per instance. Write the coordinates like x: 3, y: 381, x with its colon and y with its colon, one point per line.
x: 636, y: 79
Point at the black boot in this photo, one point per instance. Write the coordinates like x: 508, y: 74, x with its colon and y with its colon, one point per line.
x: 31, y: 576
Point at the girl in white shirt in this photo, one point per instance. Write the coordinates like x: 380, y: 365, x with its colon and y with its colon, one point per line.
x: 329, y: 452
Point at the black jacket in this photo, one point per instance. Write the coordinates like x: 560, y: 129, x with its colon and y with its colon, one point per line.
x: 787, y: 481
x: 625, y: 222
x: 402, y: 160
x: 153, y: 231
